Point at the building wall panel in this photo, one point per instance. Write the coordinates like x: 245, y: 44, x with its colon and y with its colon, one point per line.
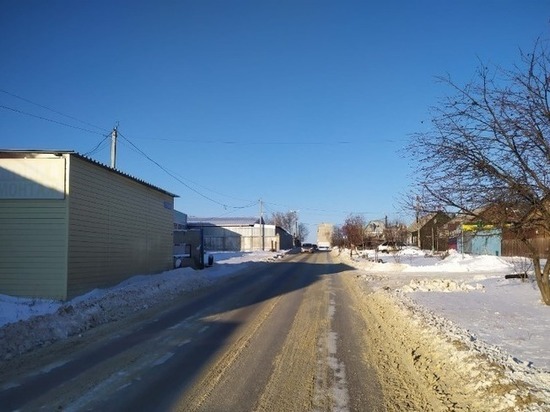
x: 117, y: 228
x: 241, y: 238
x: 33, y: 230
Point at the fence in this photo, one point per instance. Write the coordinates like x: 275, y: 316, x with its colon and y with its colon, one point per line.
x: 514, y: 247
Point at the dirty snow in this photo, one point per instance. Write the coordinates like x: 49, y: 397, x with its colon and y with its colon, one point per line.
x: 472, y: 292
x: 465, y: 296
x: 468, y: 298
x: 28, y: 323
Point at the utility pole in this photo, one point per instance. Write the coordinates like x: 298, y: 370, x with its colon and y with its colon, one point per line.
x: 419, y: 243
x: 262, y: 224
x: 114, y: 134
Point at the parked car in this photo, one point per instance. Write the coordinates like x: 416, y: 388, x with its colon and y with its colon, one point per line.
x: 390, y: 246
x: 308, y: 248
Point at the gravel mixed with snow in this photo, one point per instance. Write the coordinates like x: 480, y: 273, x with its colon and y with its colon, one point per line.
x: 463, y: 297
x: 468, y: 299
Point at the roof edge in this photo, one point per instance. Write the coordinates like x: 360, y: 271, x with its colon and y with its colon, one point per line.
x: 89, y: 160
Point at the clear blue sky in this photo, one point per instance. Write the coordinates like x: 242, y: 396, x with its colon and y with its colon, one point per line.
x: 303, y: 104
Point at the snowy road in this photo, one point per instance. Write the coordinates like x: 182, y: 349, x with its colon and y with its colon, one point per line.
x: 307, y: 333
x: 276, y: 338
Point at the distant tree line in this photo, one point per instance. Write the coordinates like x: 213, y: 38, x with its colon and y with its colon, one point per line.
x: 353, y: 233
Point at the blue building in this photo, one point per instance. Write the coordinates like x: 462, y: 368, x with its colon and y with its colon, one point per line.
x: 483, y: 240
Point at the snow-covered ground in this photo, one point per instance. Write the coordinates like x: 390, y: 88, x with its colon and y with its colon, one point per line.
x: 468, y: 301
x: 465, y: 292
x: 471, y: 292
x: 27, y: 323
x: 149, y: 287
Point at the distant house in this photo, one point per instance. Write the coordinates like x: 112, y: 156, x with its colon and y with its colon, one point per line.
x: 482, y: 234
x: 429, y: 232
x: 375, y: 228
x: 480, y: 240
x: 539, y: 240
x: 374, y: 233
x: 69, y: 224
x: 453, y: 230
x: 240, y: 234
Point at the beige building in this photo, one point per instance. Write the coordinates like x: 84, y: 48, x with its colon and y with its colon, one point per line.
x: 324, y: 234
x: 240, y: 234
x: 69, y: 224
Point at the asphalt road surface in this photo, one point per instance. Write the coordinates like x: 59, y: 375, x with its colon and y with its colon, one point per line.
x: 281, y: 336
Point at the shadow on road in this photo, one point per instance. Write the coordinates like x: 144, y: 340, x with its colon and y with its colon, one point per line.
x: 256, y: 283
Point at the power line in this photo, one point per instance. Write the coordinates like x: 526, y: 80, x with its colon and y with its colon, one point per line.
x: 49, y: 120
x: 249, y: 142
x: 97, y: 148
x: 52, y: 110
x: 204, y: 187
x: 322, y: 210
x: 225, y: 206
x: 102, y: 142
x: 211, y: 190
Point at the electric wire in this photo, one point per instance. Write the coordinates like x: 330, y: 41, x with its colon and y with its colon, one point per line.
x: 248, y: 142
x: 174, y: 176
x: 53, y: 110
x: 202, y: 186
x: 102, y: 142
x: 322, y: 210
x: 50, y: 120
x: 100, y: 146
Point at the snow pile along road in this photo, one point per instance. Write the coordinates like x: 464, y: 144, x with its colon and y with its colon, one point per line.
x: 30, y: 323
x: 440, y: 285
x: 449, y: 368
x: 490, y: 330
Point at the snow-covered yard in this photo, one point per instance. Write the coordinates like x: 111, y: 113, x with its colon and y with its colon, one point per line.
x: 471, y: 292
x: 467, y: 300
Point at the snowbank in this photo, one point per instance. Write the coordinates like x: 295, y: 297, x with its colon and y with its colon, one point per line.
x: 472, y: 292
x: 27, y: 323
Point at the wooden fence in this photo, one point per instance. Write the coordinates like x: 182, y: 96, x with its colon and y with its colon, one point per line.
x: 513, y: 247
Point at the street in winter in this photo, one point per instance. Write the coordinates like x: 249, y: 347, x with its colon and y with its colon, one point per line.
x: 264, y: 331
x: 275, y: 206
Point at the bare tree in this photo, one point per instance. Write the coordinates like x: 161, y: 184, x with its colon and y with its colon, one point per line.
x: 338, y: 238
x: 489, y: 144
x: 354, y: 231
x: 289, y: 222
x: 303, y: 231
x: 396, y: 231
